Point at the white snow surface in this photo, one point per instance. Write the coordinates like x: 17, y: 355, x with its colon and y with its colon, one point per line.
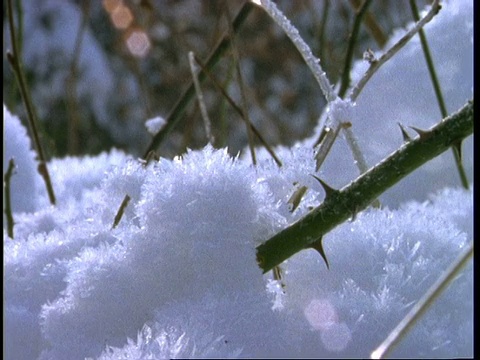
x: 154, y: 125
x: 178, y: 277
x: 18, y: 148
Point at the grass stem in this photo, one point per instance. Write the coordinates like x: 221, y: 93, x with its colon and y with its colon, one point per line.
x: 361, y: 12
x: 15, y: 62
x: 438, y: 90
x: 8, y: 204
x: 180, y: 107
x: 423, y: 304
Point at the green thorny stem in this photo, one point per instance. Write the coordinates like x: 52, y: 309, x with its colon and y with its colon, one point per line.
x: 339, y: 205
x: 15, y: 62
x: 457, y: 148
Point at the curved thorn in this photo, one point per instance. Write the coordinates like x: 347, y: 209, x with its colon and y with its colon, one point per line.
x: 318, y: 246
x: 329, y: 191
x: 423, y: 134
x: 406, y: 137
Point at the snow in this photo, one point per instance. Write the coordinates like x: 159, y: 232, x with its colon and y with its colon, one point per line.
x: 18, y: 148
x: 155, y: 124
x: 178, y: 276
x: 402, y: 92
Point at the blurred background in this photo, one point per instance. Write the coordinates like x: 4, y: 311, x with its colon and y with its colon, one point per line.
x: 97, y: 70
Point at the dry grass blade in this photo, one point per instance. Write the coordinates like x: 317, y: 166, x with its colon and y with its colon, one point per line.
x: 238, y: 110
x: 8, y: 205
x: 438, y: 92
x: 201, y: 103
x: 423, y: 304
x: 180, y: 107
x: 241, y: 84
x: 120, y: 211
x: 14, y: 60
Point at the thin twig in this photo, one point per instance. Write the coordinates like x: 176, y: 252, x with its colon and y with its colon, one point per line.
x: 241, y: 84
x: 19, y: 37
x: 375, y: 65
x: 423, y: 304
x: 352, y: 142
x: 322, y: 26
x: 15, y: 63
x: 372, y: 26
x: 351, y: 46
x: 201, y: 103
x: 438, y: 90
x: 74, y: 112
x: 180, y: 107
x: 8, y: 204
x: 120, y: 211
x: 325, y: 143
x: 238, y: 110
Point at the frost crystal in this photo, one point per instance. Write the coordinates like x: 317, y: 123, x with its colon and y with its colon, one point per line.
x: 179, y: 278
x: 340, y: 111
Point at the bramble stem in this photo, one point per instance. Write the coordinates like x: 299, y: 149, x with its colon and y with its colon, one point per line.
x: 360, y: 193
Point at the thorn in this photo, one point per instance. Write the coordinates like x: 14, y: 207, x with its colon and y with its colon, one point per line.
x: 406, y: 137
x: 423, y: 134
x: 329, y: 191
x: 319, y: 248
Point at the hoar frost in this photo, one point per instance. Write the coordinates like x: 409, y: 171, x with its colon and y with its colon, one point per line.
x: 178, y: 277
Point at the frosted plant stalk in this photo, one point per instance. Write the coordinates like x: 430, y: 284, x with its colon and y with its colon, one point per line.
x: 201, y: 103
x: 334, y: 102
x: 375, y: 65
x: 312, y: 61
x: 435, y: 290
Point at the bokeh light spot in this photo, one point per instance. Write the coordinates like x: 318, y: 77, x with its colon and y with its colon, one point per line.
x: 111, y: 5
x: 336, y: 337
x: 138, y: 43
x: 321, y: 314
x: 121, y: 17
